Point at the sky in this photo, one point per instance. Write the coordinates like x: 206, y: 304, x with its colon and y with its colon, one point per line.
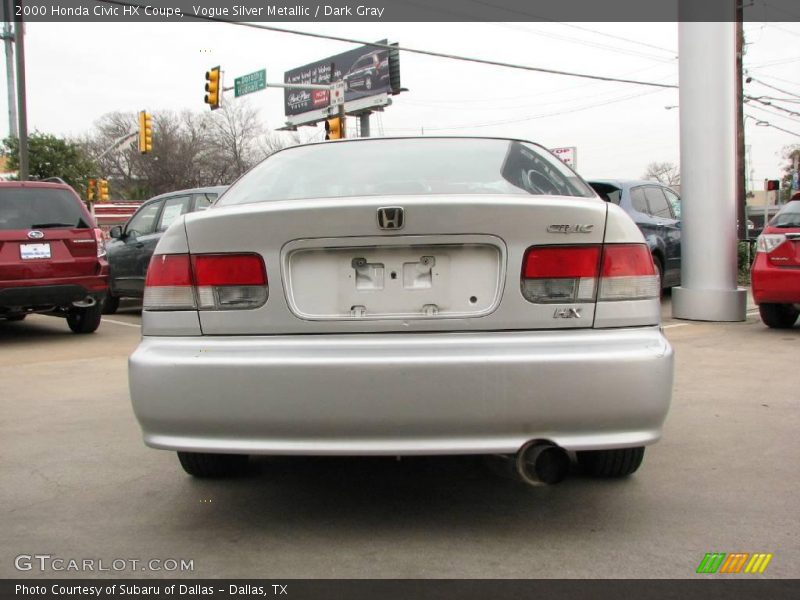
x: 77, y: 72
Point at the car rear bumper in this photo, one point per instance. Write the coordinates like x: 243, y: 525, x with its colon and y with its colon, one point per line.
x: 438, y: 393
x: 43, y: 293
x: 774, y: 285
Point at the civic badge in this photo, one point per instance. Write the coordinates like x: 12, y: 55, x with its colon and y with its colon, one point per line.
x: 35, y: 234
x: 391, y: 217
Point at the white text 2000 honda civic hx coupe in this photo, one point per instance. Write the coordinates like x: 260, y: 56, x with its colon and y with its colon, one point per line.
x: 405, y: 296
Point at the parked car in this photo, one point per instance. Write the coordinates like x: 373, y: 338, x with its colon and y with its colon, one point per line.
x: 52, y: 255
x: 656, y: 209
x: 775, y: 274
x: 132, y: 245
x: 399, y: 296
x: 370, y: 70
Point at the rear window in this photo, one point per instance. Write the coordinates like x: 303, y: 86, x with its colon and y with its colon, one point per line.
x: 789, y: 215
x: 407, y: 167
x: 39, y: 208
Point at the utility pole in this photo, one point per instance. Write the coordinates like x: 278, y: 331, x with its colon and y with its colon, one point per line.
x: 8, y: 39
x: 19, y: 35
x: 741, y: 187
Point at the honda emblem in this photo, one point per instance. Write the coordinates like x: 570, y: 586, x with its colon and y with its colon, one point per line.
x: 391, y: 217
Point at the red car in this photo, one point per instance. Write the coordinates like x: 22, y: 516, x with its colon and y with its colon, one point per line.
x: 52, y: 255
x: 775, y: 274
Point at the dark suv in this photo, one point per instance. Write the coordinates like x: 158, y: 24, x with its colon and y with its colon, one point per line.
x: 656, y: 209
x: 132, y: 245
x: 52, y: 255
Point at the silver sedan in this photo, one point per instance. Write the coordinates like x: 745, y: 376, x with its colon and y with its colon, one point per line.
x: 405, y: 296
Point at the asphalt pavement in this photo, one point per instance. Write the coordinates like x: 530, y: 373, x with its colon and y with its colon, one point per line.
x: 79, y: 484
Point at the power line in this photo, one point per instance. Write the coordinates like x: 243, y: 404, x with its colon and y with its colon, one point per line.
x: 594, y: 31
x: 533, y: 117
x: 780, y: 108
x: 772, y: 112
x: 336, y: 38
x: 750, y: 78
x: 765, y: 124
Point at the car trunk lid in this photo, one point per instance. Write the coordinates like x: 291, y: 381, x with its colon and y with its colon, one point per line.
x: 454, y: 263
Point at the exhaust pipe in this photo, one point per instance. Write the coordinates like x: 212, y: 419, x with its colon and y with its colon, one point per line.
x: 87, y: 302
x: 536, y: 463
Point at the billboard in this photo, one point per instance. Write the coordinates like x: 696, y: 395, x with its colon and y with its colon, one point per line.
x: 366, y: 71
x: 568, y: 155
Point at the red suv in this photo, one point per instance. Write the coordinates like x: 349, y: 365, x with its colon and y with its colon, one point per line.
x: 776, y: 270
x: 52, y: 255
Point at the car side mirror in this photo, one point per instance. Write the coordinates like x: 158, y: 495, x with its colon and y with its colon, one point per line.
x: 115, y: 232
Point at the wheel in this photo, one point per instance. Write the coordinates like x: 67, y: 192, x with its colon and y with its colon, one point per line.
x: 778, y: 316
x: 15, y: 317
x: 201, y: 464
x: 85, y: 319
x: 368, y: 83
x: 619, y: 462
x: 111, y: 304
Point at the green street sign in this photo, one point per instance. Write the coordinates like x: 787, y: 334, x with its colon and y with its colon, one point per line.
x: 252, y: 82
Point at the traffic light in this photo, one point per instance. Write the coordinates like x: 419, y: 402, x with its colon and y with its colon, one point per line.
x: 772, y: 185
x: 102, y: 190
x: 213, y: 88
x: 91, y: 190
x: 334, y: 128
x: 145, y: 132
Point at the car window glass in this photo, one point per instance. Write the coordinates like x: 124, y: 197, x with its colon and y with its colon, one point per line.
x: 789, y: 215
x: 29, y: 208
x: 657, y: 203
x: 674, y: 202
x: 638, y: 200
x: 143, y: 222
x: 378, y: 167
x: 203, y: 201
x: 173, y: 208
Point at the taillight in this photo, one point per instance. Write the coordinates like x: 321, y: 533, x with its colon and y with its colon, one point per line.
x: 205, y: 282
x: 101, y: 242
x: 168, y: 285
x: 767, y: 242
x: 628, y: 273
x: 558, y: 274
x: 229, y: 281
x: 570, y: 274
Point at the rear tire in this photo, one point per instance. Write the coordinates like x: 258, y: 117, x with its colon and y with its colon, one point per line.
x: 778, y: 316
x: 111, y: 304
x: 619, y: 462
x: 205, y: 465
x: 85, y: 319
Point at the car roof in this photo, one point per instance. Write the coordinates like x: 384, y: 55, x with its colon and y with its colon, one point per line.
x: 216, y: 189
x: 35, y: 184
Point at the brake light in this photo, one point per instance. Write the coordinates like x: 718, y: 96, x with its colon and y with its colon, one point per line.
x: 570, y: 274
x: 628, y: 273
x: 168, y: 285
x: 230, y: 281
x: 558, y: 274
x: 101, y: 242
x: 767, y: 242
x: 205, y: 282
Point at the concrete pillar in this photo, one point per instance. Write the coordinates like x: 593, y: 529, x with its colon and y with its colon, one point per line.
x: 707, y: 61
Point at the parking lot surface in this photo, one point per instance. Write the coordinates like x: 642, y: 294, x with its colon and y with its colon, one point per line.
x: 79, y: 484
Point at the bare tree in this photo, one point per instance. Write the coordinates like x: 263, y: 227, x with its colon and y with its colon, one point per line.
x: 666, y: 173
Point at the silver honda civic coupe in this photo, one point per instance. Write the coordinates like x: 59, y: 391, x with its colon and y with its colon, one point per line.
x: 405, y: 296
